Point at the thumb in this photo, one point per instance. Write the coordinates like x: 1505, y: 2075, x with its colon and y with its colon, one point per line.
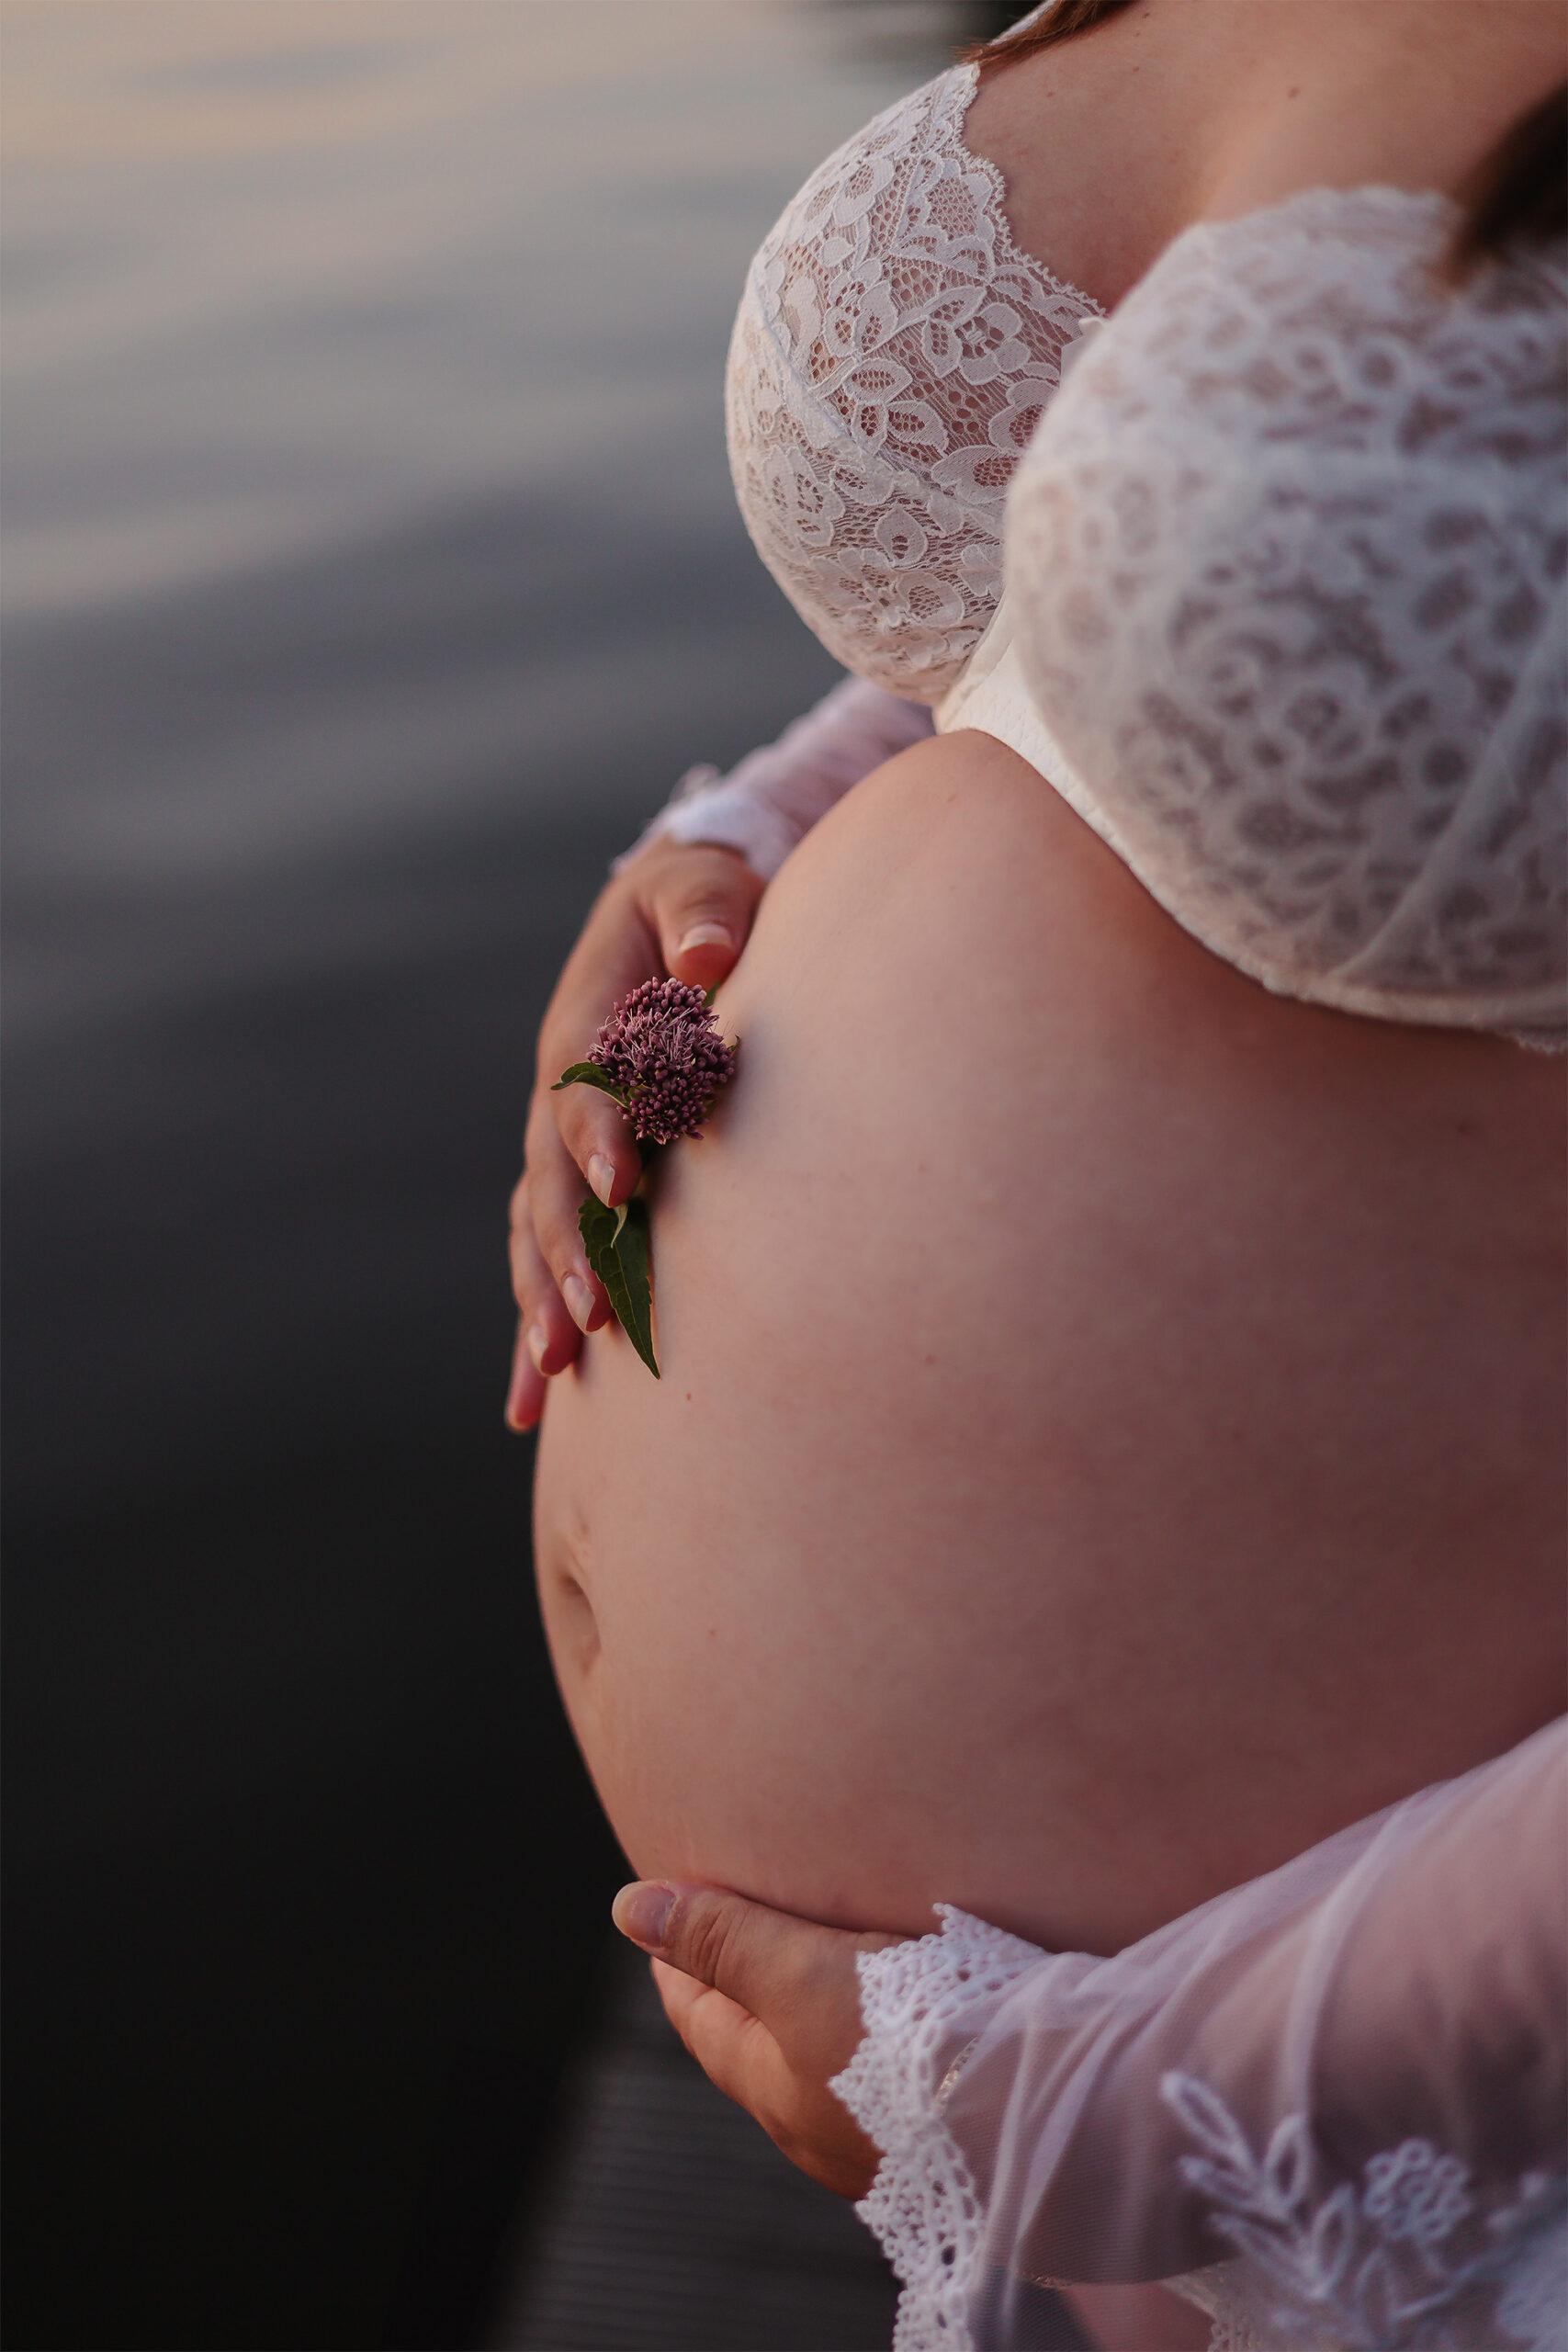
x: 773, y: 1964
x: 702, y: 905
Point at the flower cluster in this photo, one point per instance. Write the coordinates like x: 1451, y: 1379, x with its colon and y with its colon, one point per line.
x: 662, y: 1050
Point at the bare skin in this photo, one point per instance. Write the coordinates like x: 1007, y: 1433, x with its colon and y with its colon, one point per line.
x: 1109, y: 1414
x: 1222, y: 1430
x: 683, y: 911
x: 1255, y: 1528
x: 1182, y: 110
x: 1110, y: 144
x: 768, y: 2006
x: 1222, y: 1487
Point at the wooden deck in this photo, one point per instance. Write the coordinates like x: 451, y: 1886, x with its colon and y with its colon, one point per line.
x: 668, y: 2223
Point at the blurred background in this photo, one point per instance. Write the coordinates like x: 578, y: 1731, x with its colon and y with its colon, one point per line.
x: 371, y: 571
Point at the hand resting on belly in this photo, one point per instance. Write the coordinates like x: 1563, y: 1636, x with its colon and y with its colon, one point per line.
x: 1108, y: 1435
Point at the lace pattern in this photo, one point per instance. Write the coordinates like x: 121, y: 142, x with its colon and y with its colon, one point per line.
x: 892, y: 356
x: 1410, y: 2259
x: 923, y: 2207
x: 1287, y: 564
x: 1411, y: 2256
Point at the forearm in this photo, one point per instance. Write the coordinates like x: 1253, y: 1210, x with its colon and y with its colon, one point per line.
x: 1393, y: 1998
x: 772, y: 800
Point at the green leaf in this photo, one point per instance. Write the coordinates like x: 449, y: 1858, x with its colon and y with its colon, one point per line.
x: 599, y: 1226
x: 617, y: 1241
x: 589, y: 1074
x: 634, y: 1248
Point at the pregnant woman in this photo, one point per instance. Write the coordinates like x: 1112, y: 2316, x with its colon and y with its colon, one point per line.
x: 1108, y: 1438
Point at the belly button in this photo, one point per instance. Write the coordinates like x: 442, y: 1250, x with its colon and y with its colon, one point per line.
x: 579, y: 1627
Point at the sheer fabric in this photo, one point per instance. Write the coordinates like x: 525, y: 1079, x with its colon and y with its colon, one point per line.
x: 777, y: 793
x: 1328, y: 2104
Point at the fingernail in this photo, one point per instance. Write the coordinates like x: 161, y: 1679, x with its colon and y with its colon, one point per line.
x: 602, y: 1176
x: 704, y: 935
x: 579, y: 1300
x: 642, y: 1911
x: 538, y: 1340
x: 513, y: 1410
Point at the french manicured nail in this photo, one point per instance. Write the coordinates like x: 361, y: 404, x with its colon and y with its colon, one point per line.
x: 579, y: 1300
x: 602, y: 1176
x: 641, y: 1912
x: 538, y: 1340
x: 704, y: 935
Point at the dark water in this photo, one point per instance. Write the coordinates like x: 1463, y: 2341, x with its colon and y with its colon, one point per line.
x: 371, y: 572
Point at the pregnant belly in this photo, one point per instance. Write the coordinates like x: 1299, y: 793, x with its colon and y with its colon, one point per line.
x: 1109, y: 1427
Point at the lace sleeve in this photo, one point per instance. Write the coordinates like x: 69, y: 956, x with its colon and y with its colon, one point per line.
x: 778, y: 792
x: 1286, y: 559
x: 1335, y: 2095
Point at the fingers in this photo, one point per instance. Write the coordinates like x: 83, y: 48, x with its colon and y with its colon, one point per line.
x: 734, y: 2048
x: 744, y: 2060
x: 594, y: 1143
x: 597, y: 1144
x: 526, y: 1389
x: 769, y: 2006
x: 681, y: 909
x: 547, y: 1337
x: 798, y: 1978
x: 547, y: 1340
x: 545, y: 1222
x: 701, y: 906
x: 557, y: 1294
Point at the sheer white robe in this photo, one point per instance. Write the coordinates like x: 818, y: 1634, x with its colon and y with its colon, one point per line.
x: 1331, y: 2103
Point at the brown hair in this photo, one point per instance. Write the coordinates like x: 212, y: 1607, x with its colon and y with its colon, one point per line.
x: 1517, y: 195
x: 1060, y: 23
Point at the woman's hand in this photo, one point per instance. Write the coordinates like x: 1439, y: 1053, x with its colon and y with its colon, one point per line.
x: 768, y: 2006
x: 679, y: 908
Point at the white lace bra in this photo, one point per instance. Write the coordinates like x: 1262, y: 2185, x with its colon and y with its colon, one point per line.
x: 1285, y: 615
x: 893, y: 354
x: 1286, y: 580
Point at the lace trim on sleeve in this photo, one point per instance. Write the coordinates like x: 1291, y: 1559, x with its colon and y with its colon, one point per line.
x: 923, y: 2207
x: 1413, y: 2258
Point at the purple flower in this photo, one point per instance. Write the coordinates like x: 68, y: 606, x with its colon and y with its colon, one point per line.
x: 662, y: 1048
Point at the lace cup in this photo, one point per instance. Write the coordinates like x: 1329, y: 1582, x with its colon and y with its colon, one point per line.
x: 1289, y: 563
x: 891, y: 356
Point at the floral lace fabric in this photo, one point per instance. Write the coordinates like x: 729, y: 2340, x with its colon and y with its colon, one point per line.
x: 893, y: 353
x: 924, y: 2207
x: 1286, y: 573
x: 1286, y: 559
x: 1410, y: 2255
x: 1327, y: 2107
